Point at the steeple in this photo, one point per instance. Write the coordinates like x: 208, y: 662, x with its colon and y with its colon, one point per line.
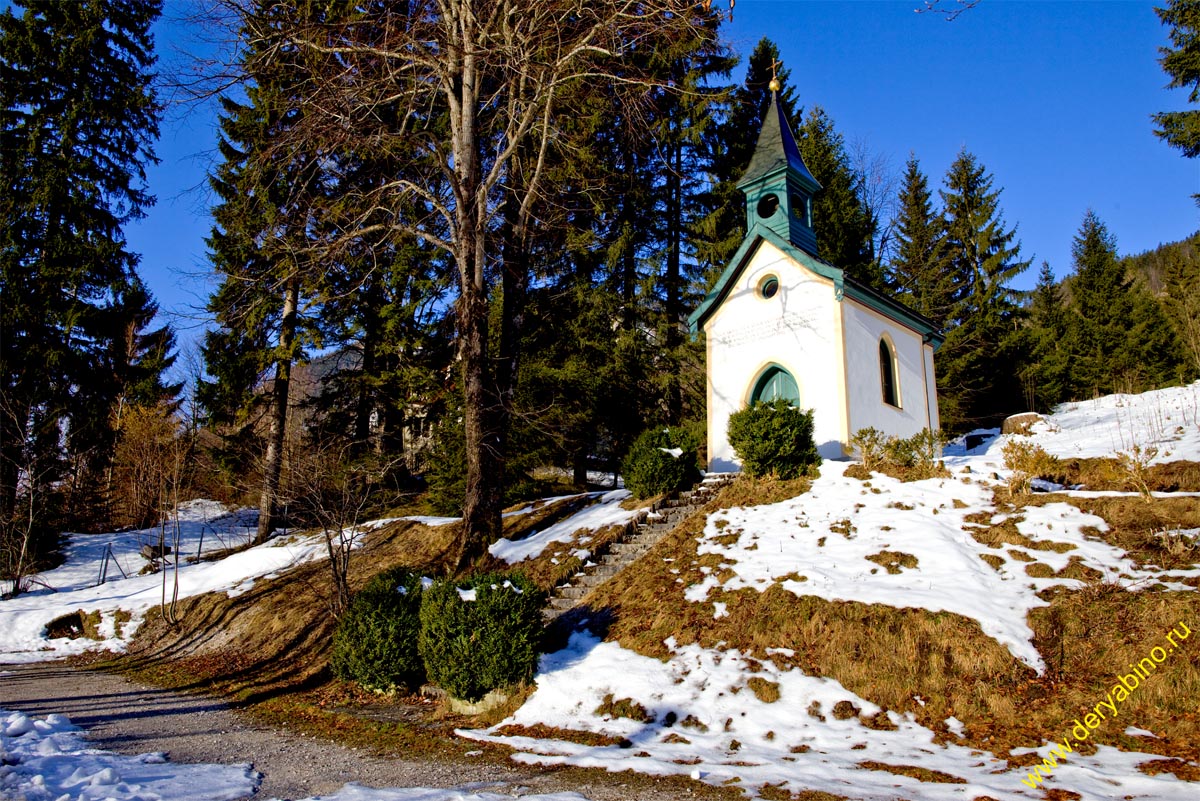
x: 777, y: 184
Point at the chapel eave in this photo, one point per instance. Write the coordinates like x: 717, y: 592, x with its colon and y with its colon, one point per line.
x: 843, y: 286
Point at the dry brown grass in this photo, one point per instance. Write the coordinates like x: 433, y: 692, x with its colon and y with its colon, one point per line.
x: 276, y: 637
x: 893, y: 561
x: 889, y: 655
x: 1136, y: 526
x: 1109, y: 474
x: 913, y: 772
x: 764, y: 690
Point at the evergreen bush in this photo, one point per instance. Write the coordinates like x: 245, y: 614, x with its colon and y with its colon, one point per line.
x: 774, y: 438
x: 375, y: 643
x: 481, y: 633
x: 661, y: 460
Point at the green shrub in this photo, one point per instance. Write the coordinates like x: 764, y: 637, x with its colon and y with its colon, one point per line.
x: 907, y: 458
x: 774, y: 438
x: 486, y: 640
x: 1027, y: 461
x: 376, y: 639
x: 871, y: 446
x: 661, y: 460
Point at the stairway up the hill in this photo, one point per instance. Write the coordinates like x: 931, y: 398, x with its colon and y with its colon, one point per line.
x: 639, y: 536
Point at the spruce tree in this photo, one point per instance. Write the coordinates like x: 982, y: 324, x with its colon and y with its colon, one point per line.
x: 270, y: 193
x: 1047, y: 379
x: 1181, y: 129
x: 919, y: 273
x: 1121, y: 341
x: 841, y: 221
x: 978, y: 361
x: 79, y: 118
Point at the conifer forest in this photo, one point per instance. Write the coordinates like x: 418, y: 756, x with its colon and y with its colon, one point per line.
x: 454, y: 247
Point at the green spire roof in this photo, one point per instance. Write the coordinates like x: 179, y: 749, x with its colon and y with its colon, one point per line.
x: 776, y: 149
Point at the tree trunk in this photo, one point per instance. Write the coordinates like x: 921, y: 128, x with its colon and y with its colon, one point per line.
x: 273, y: 462
x: 672, y: 281
x: 484, y: 482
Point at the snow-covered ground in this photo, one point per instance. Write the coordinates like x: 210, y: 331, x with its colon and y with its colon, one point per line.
x: 699, y: 715
x: 48, y: 759
x: 703, y: 716
x: 708, y: 723
x: 605, y: 510
x: 104, y: 573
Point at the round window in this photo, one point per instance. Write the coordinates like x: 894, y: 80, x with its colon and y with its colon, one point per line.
x: 768, y: 205
x: 768, y: 287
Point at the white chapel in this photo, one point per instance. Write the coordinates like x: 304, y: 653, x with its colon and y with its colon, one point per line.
x: 782, y: 323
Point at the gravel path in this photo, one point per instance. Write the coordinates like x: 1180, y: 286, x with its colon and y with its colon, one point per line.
x: 130, y: 718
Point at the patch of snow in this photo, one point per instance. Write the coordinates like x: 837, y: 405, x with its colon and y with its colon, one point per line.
x: 357, y: 792
x: 605, y: 511
x: 674, y: 453
x: 1134, y: 731
x: 818, y: 543
x: 955, y: 726
x: 428, y: 520
x: 707, y: 725
x: 203, y: 528
x: 1166, y: 419
x: 49, y: 759
x: 466, y: 595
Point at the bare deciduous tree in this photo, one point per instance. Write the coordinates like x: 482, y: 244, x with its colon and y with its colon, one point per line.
x: 471, y: 89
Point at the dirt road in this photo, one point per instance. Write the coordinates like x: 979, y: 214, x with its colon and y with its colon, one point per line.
x: 130, y: 718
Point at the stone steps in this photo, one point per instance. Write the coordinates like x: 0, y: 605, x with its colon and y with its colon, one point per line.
x: 640, y: 536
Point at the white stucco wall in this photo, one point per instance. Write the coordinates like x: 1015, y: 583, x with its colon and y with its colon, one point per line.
x: 797, y: 329
x: 935, y: 420
x: 864, y: 328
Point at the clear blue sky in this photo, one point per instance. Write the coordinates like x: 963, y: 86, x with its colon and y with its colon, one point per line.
x: 1054, y: 98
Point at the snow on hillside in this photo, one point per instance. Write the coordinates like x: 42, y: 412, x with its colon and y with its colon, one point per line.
x: 698, y: 713
x: 708, y: 723
x: 1166, y: 419
x: 827, y: 534
x: 204, y: 527
x: 604, y: 510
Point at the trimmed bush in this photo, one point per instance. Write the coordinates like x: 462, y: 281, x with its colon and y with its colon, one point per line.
x: 661, y: 460
x: 481, y: 633
x: 774, y: 438
x: 376, y: 639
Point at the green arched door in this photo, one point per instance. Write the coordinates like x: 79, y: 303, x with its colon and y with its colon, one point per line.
x: 773, y: 384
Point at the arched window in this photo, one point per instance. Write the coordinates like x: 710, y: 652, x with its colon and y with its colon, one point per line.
x: 887, y: 374
x: 773, y: 384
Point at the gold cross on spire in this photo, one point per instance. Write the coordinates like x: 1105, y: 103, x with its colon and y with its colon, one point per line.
x: 774, y: 84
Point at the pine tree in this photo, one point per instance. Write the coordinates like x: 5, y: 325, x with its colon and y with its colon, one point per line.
x: 79, y: 117
x: 919, y: 273
x: 979, y: 358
